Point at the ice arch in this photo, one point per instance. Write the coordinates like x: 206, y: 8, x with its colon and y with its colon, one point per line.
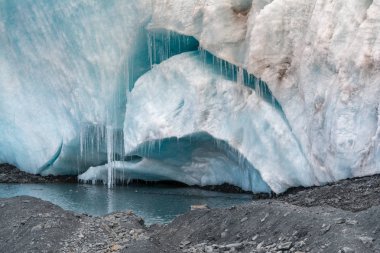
x: 195, y: 159
x: 184, y: 95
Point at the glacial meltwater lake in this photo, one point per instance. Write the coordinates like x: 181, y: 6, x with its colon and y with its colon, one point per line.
x: 156, y: 204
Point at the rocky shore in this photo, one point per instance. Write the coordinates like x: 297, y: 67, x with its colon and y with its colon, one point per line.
x: 341, y: 217
x: 12, y: 175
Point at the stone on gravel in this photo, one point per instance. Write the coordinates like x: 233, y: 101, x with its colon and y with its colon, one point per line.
x: 199, y: 207
x: 366, y: 240
x: 37, y: 228
x: 347, y: 250
x: 284, y: 246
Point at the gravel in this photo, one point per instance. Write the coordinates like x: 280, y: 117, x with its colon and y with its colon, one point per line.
x: 340, y: 217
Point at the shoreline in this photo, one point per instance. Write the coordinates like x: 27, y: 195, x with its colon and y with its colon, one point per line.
x: 338, y: 217
x: 353, y: 194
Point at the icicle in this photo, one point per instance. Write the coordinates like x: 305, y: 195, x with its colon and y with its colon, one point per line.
x: 109, y: 133
x: 240, y: 76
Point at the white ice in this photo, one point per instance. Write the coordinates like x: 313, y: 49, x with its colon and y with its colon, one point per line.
x: 185, y: 96
x: 320, y: 58
x: 64, y: 67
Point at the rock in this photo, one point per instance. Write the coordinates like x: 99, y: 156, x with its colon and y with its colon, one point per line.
x: 347, y: 250
x: 139, y: 231
x: 224, y: 234
x: 199, y: 207
x: 185, y: 243
x: 140, y: 221
x: 115, y: 247
x: 340, y: 221
x: 209, y: 249
x: 325, y: 228
x: 37, y: 228
x: 254, y: 238
x: 284, y: 246
x: 244, y: 219
x: 351, y: 222
x: 366, y: 240
x: 237, y: 245
x: 232, y: 208
x: 265, y: 217
x: 260, y: 245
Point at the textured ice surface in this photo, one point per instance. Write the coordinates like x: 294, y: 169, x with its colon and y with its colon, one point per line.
x: 66, y: 68
x: 321, y: 60
x: 184, y: 97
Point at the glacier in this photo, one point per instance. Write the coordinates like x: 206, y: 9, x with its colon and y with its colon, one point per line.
x: 107, y: 89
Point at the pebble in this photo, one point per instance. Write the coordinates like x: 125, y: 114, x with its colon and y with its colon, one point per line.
x: 37, y: 228
x: 366, y: 240
x: 351, y: 222
x: 232, y: 208
x: 224, y: 234
x: 265, y: 217
x: 199, y: 207
x: 244, y: 219
x: 325, y: 228
x: 237, y: 245
x: 284, y: 246
x: 116, y: 247
x: 209, y: 249
x: 260, y: 245
x: 184, y: 243
x: 340, y: 221
x: 347, y: 250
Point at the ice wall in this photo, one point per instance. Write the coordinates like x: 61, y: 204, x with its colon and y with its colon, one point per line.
x: 320, y: 58
x: 67, y: 67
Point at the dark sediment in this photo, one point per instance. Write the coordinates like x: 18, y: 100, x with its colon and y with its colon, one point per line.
x: 354, y: 194
x: 11, y: 175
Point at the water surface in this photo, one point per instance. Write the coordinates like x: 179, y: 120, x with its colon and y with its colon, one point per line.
x: 156, y: 204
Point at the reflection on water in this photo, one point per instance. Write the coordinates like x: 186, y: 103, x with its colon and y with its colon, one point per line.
x: 156, y: 204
